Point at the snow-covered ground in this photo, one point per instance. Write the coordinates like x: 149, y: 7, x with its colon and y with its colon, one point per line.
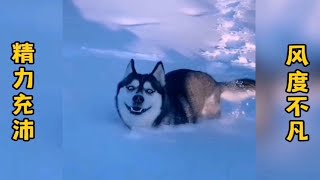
x: 99, y: 39
x: 98, y: 146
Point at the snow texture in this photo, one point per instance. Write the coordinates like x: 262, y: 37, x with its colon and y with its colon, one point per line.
x: 79, y: 134
x: 98, y: 146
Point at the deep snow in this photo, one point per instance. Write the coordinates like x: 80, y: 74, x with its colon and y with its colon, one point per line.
x: 98, y: 146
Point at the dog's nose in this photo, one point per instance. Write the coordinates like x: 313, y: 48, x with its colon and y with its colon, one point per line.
x: 138, y: 99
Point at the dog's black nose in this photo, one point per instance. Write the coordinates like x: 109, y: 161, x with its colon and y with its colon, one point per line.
x: 138, y: 99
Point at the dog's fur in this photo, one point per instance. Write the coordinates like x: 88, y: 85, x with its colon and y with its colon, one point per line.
x: 178, y: 97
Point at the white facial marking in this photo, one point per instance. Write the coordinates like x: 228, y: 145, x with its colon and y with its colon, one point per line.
x: 152, y: 101
x: 147, y: 85
x: 134, y: 83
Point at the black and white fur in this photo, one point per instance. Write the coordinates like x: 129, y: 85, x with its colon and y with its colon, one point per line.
x: 178, y: 97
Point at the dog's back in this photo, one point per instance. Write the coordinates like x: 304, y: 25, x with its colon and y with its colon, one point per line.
x: 192, y: 95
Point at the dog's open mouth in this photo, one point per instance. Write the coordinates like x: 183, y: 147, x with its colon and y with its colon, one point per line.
x: 136, y: 109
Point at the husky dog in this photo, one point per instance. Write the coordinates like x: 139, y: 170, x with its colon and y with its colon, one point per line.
x: 178, y: 97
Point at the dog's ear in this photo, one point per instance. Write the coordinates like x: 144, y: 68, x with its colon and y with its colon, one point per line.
x: 130, y: 68
x: 159, y: 74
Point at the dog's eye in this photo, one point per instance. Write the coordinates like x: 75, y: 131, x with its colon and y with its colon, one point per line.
x: 130, y: 88
x: 149, y: 91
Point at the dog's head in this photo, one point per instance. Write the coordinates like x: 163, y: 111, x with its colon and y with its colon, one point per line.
x: 140, y: 96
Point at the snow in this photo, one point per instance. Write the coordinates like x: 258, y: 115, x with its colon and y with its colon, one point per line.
x: 99, y: 39
x: 96, y: 143
x: 98, y: 146
x: 193, y: 11
x: 236, y: 28
x: 79, y: 134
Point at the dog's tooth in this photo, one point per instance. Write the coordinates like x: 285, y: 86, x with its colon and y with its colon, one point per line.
x: 135, y: 110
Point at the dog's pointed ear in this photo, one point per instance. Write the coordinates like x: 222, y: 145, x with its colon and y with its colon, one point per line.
x: 159, y: 73
x: 130, y: 68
